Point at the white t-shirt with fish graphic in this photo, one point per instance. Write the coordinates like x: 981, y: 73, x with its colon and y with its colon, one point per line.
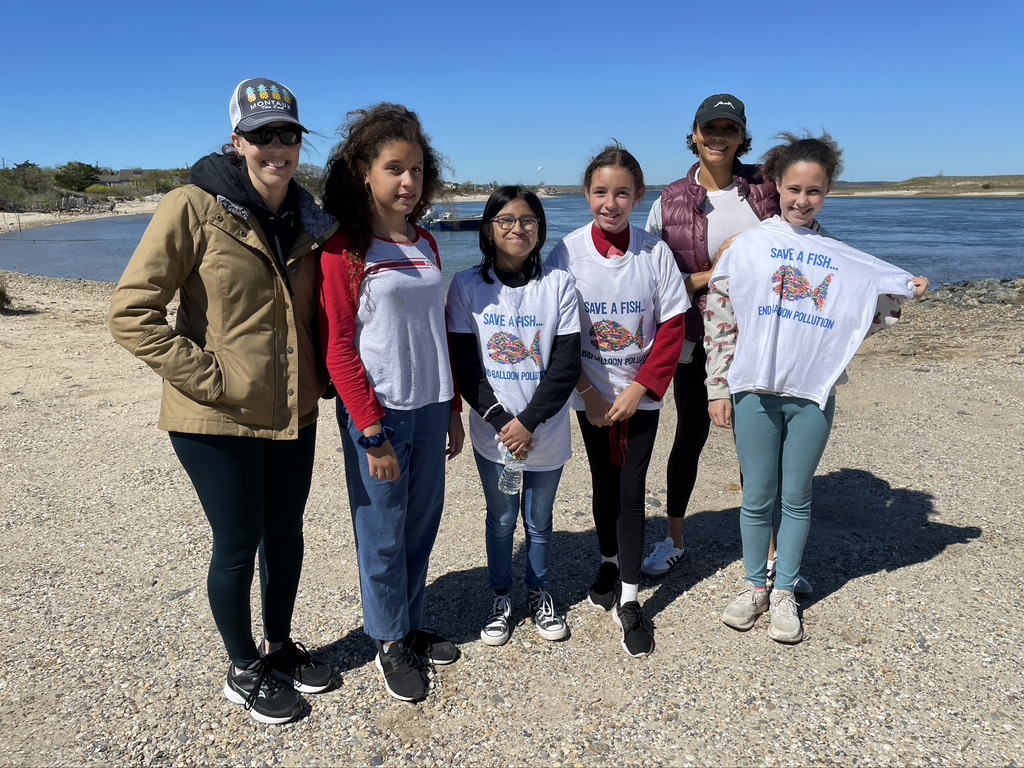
x: 516, y: 329
x: 622, y: 301
x: 803, y: 304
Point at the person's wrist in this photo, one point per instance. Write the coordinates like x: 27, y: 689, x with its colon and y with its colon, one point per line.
x: 376, y: 440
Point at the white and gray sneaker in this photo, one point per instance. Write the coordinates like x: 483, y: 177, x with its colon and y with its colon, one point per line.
x: 498, y: 627
x: 662, y: 559
x: 785, y: 626
x: 549, y: 624
x: 742, y: 612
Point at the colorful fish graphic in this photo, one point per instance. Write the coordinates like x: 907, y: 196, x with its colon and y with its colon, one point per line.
x: 791, y: 285
x: 610, y: 336
x: 506, y: 349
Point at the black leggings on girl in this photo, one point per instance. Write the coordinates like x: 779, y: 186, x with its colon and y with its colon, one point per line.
x: 253, y: 492
x: 619, y: 493
x: 692, y: 426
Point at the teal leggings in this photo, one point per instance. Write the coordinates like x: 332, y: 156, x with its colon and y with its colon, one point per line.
x: 779, y: 442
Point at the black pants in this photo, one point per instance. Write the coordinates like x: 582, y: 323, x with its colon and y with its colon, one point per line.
x: 253, y: 492
x: 620, y: 493
x: 692, y: 426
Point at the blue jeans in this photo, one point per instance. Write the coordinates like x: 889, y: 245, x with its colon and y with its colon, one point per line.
x: 396, y: 522
x: 779, y: 442
x: 535, y: 502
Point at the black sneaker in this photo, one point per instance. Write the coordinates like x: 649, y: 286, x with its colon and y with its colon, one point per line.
x: 293, y: 666
x: 262, y: 694
x: 432, y: 647
x: 637, y: 632
x: 404, y: 675
x: 602, y: 592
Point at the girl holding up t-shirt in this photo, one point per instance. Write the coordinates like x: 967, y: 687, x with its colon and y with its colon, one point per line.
x: 514, y: 333
x: 805, y: 303
x: 631, y: 301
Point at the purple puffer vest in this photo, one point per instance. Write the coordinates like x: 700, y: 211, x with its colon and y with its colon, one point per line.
x: 685, y: 226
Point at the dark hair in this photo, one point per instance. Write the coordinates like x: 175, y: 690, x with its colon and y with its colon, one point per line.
x: 741, y: 150
x: 499, y: 198
x: 615, y: 154
x: 823, y: 151
x: 364, y: 134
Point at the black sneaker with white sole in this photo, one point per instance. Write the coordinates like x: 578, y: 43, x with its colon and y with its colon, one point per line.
x: 637, y: 631
x: 293, y: 666
x: 404, y: 675
x: 603, y: 592
x: 429, y: 645
x: 266, y: 698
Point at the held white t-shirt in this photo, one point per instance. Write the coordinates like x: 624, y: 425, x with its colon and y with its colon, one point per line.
x: 803, y: 305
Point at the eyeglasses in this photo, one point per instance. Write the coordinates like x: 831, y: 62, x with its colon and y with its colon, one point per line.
x: 506, y: 223
x: 288, y: 135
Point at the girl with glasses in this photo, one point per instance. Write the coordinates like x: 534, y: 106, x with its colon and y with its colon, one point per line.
x: 383, y: 327
x: 242, y: 378
x: 631, y: 301
x: 513, y: 329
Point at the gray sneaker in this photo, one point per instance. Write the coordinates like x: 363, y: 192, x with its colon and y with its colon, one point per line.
x: 785, y: 626
x: 742, y: 612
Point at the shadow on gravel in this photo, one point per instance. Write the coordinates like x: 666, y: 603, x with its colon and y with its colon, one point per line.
x: 860, y: 525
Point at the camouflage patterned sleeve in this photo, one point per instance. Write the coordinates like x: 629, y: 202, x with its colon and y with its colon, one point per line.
x: 720, y: 331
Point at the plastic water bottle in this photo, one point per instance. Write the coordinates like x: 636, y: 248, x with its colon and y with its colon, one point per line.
x: 511, y: 479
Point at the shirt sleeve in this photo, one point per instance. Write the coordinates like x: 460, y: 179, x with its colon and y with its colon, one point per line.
x: 654, y: 225
x: 338, y: 310
x: 558, y: 383
x: 720, y: 333
x: 657, y: 373
x: 471, y: 380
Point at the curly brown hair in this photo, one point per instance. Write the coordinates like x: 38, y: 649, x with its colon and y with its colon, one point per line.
x: 823, y: 151
x: 365, y: 133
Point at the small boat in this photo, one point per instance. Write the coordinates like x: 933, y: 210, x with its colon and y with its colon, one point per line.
x: 449, y: 222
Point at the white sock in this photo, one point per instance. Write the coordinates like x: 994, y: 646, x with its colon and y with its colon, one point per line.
x: 614, y: 559
x: 629, y: 593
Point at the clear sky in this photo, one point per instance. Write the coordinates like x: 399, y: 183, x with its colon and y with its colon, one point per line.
x: 907, y: 87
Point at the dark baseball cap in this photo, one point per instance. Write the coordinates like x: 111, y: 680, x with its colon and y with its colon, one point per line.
x: 260, y: 101
x: 721, y: 106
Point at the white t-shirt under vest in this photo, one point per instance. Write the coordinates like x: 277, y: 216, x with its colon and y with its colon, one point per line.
x: 803, y: 305
x: 622, y: 301
x: 515, y: 330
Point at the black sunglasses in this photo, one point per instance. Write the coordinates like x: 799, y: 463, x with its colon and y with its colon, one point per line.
x: 289, y: 136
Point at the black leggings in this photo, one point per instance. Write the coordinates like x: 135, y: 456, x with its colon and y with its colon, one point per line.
x: 253, y: 492
x: 620, y: 493
x: 692, y: 426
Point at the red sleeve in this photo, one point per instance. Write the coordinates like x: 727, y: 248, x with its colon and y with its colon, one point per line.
x: 457, y: 400
x: 338, y: 309
x: 656, y: 374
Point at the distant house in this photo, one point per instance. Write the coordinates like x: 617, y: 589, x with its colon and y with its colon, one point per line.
x: 129, y: 178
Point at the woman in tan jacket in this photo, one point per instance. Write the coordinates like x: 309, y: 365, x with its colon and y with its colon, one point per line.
x: 239, y: 245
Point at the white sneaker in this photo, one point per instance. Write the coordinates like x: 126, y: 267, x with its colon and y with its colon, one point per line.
x: 498, y: 627
x: 662, y: 558
x: 549, y: 624
x: 742, y: 612
x: 785, y: 626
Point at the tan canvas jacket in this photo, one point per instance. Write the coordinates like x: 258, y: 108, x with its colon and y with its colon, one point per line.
x: 238, y: 357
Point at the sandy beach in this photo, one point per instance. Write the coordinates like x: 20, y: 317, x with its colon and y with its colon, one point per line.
x: 914, y: 652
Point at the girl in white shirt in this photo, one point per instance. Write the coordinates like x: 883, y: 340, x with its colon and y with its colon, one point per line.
x: 805, y: 303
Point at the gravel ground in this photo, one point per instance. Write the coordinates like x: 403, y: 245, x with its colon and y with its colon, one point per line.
x: 912, y: 657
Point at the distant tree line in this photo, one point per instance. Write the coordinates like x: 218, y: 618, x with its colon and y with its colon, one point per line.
x: 27, y: 187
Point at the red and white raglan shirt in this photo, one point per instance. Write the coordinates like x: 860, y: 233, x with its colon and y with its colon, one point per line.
x: 383, y: 329
x: 805, y: 303
x: 623, y: 299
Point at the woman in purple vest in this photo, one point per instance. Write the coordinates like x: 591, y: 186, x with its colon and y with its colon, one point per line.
x: 718, y: 198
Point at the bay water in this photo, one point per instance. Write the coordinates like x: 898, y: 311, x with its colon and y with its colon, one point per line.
x: 948, y: 240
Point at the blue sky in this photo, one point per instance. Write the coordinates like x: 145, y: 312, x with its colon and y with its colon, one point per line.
x: 908, y: 88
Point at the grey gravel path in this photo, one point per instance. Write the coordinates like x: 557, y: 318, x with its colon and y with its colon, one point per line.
x: 914, y: 648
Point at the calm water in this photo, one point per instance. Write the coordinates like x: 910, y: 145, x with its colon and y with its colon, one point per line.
x: 948, y: 240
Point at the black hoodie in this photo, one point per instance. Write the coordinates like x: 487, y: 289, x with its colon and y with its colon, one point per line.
x: 226, y: 176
